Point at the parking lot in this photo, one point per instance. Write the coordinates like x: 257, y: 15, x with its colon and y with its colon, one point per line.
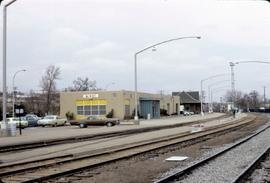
x: 33, y: 134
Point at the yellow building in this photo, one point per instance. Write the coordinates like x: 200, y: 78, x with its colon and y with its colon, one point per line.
x: 100, y: 103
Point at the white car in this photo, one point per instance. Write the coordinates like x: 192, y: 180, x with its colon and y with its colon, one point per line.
x: 186, y: 113
x: 52, y: 120
x: 15, y: 120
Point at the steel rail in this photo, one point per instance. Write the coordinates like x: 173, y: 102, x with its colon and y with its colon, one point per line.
x: 166, y: 139
x: 247, y: 171
x: 47, y: 143
x: 93, y: 154
x: 191, y: 168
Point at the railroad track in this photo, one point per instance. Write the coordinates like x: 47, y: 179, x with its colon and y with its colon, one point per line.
x: 44, y: 169
x: 46, y: 143
x: 246, y: 173
x: 180, y: 175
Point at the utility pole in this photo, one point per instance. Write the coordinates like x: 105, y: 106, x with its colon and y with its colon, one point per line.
x: 232, y: 83
x: 202, y: 98
x: 264, y: 102
x: 4, y: 54
x: 153, y: 47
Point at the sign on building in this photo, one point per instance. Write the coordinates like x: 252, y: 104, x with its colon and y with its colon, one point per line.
x: 90, y: 96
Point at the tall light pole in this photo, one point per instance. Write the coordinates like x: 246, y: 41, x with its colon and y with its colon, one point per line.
x: 264, y: 100
x: 232, y: 64
x: 136, y: 118
x: 232, y: 84
x: 4, y: 63
x: 203, y: 80
x: 13, y: 87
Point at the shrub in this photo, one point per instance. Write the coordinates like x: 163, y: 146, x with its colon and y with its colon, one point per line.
x: 110, y: 114
x: 163, y: 112
x: 70, y: 115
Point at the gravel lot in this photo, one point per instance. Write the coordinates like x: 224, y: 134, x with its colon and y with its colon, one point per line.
x: 227, y: 167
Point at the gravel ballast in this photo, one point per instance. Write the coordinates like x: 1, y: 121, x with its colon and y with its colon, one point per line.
x: 262, y: 173
x: 226, y: 167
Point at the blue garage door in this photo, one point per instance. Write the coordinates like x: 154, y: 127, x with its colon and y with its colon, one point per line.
x: 150, y: 107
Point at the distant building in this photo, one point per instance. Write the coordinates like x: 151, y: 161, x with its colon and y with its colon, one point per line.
x: 100, y: 103
x: 34, y: 102
x: 189, y: 100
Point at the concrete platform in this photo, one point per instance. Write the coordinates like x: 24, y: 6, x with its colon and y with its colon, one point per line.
x: 49, y: 133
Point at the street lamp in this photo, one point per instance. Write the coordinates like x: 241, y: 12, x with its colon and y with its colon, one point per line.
x: 232, y: 64
x: 264, y: 100
x: 13, y: 86
x: 211, y: 77
x: 4, y: 63
x: 153, y: 47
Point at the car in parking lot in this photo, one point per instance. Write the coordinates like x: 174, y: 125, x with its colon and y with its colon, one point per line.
x: 94, y: 120
x: 52, y: 120
x: 188, y: 113
x: 17, y: 121
x: 32, y: 119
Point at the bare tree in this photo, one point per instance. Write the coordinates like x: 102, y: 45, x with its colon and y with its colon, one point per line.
x: 48, y: 84
x: 83, y: 84
x: 35, y: 103
x: 238, y: 95
x: 255, y: 99
x: 252, y: 100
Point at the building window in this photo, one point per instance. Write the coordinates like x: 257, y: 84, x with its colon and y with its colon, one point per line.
x: 102, y: 109
x: 95, y: 110
x: 80, y: 110
x: 127, y: 110
x: 89, y: 110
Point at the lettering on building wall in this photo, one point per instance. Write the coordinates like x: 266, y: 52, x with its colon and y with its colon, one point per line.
x: 90, y: 96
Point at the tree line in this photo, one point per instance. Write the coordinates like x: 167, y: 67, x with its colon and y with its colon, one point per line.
x: 251, y: 100
x: 47, y: 100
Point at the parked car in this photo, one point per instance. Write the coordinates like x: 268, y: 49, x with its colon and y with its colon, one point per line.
x: 186, y: 113
x: 94, y: 120
x: 52, y: 120
x: 16, y: 120
x: 32, y: 119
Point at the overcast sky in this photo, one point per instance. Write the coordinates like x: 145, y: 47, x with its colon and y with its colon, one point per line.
x: 98, y: 39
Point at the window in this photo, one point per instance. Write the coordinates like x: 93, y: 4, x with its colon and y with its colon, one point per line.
x: 49, y: 117
x: 87, y: 113
x: 87, y: 110
x: 80, y: 110
x: 127, y: 110
x: 91, y: 107
x: 29, y: 118
x: 95, y: 110
x: 102, y: 109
